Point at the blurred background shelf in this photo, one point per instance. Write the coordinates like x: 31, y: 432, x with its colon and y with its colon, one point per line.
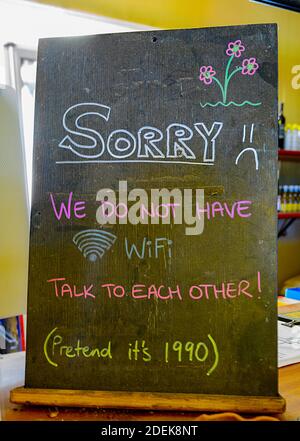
x: 288, y: 215
x: 288, y: 155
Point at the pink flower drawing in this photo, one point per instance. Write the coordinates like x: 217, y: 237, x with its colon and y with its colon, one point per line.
x: 206, y: 74
x: 249, y: 66
x: 235, y: 48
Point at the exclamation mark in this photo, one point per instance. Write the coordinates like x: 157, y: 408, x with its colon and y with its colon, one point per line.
x: 258, y: 282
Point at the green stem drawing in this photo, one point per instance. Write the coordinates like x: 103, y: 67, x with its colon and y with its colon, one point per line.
x: 226, y: 77
x: 227, y: 80
x: 233, y: 73
x: 221, y: 87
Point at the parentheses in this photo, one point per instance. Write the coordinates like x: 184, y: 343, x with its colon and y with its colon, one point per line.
x: 216, y: 352
x: 45, y: 348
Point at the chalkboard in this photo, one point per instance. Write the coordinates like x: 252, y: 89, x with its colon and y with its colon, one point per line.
x: 153, y: 227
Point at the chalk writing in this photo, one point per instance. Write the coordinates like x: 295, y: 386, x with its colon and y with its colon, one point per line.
x: 149, y: 248
x: 148, y: 145
x: 226, y: 290
x: 139, y: 348
x: 141, y: 291
x: 177, y: 352
x: 53, y: 347
x: 138, y: 206
x: 67, y: 209
x: 94, y: 143
x: 70, y: 291
x: 110, y: 212
x: 191, y: 352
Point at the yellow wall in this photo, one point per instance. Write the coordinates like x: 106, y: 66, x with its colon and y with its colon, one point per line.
x: 201, y: 13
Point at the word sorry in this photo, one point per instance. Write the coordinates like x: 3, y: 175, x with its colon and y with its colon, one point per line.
x: 149, y: 144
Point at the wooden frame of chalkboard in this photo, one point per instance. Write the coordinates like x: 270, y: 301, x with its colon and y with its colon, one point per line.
x: 148, y: 401
x: 153, y: 257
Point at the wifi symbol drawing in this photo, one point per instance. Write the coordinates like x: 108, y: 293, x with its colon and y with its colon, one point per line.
x: 94, y: 243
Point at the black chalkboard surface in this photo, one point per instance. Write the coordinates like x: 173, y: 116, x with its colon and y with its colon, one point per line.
x: 153, y: 226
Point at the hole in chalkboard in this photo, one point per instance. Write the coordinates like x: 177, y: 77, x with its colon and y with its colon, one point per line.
x: 36, y: 219
x: 154, y: 39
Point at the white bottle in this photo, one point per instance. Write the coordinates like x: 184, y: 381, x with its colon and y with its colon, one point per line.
x: 280, y: 190
x: 298, y: 138
x: 294, y: 137
x: 284, y: 201
x: 288, y: 137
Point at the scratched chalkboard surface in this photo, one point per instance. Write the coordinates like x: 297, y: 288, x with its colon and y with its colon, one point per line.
x: 153, y: 225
